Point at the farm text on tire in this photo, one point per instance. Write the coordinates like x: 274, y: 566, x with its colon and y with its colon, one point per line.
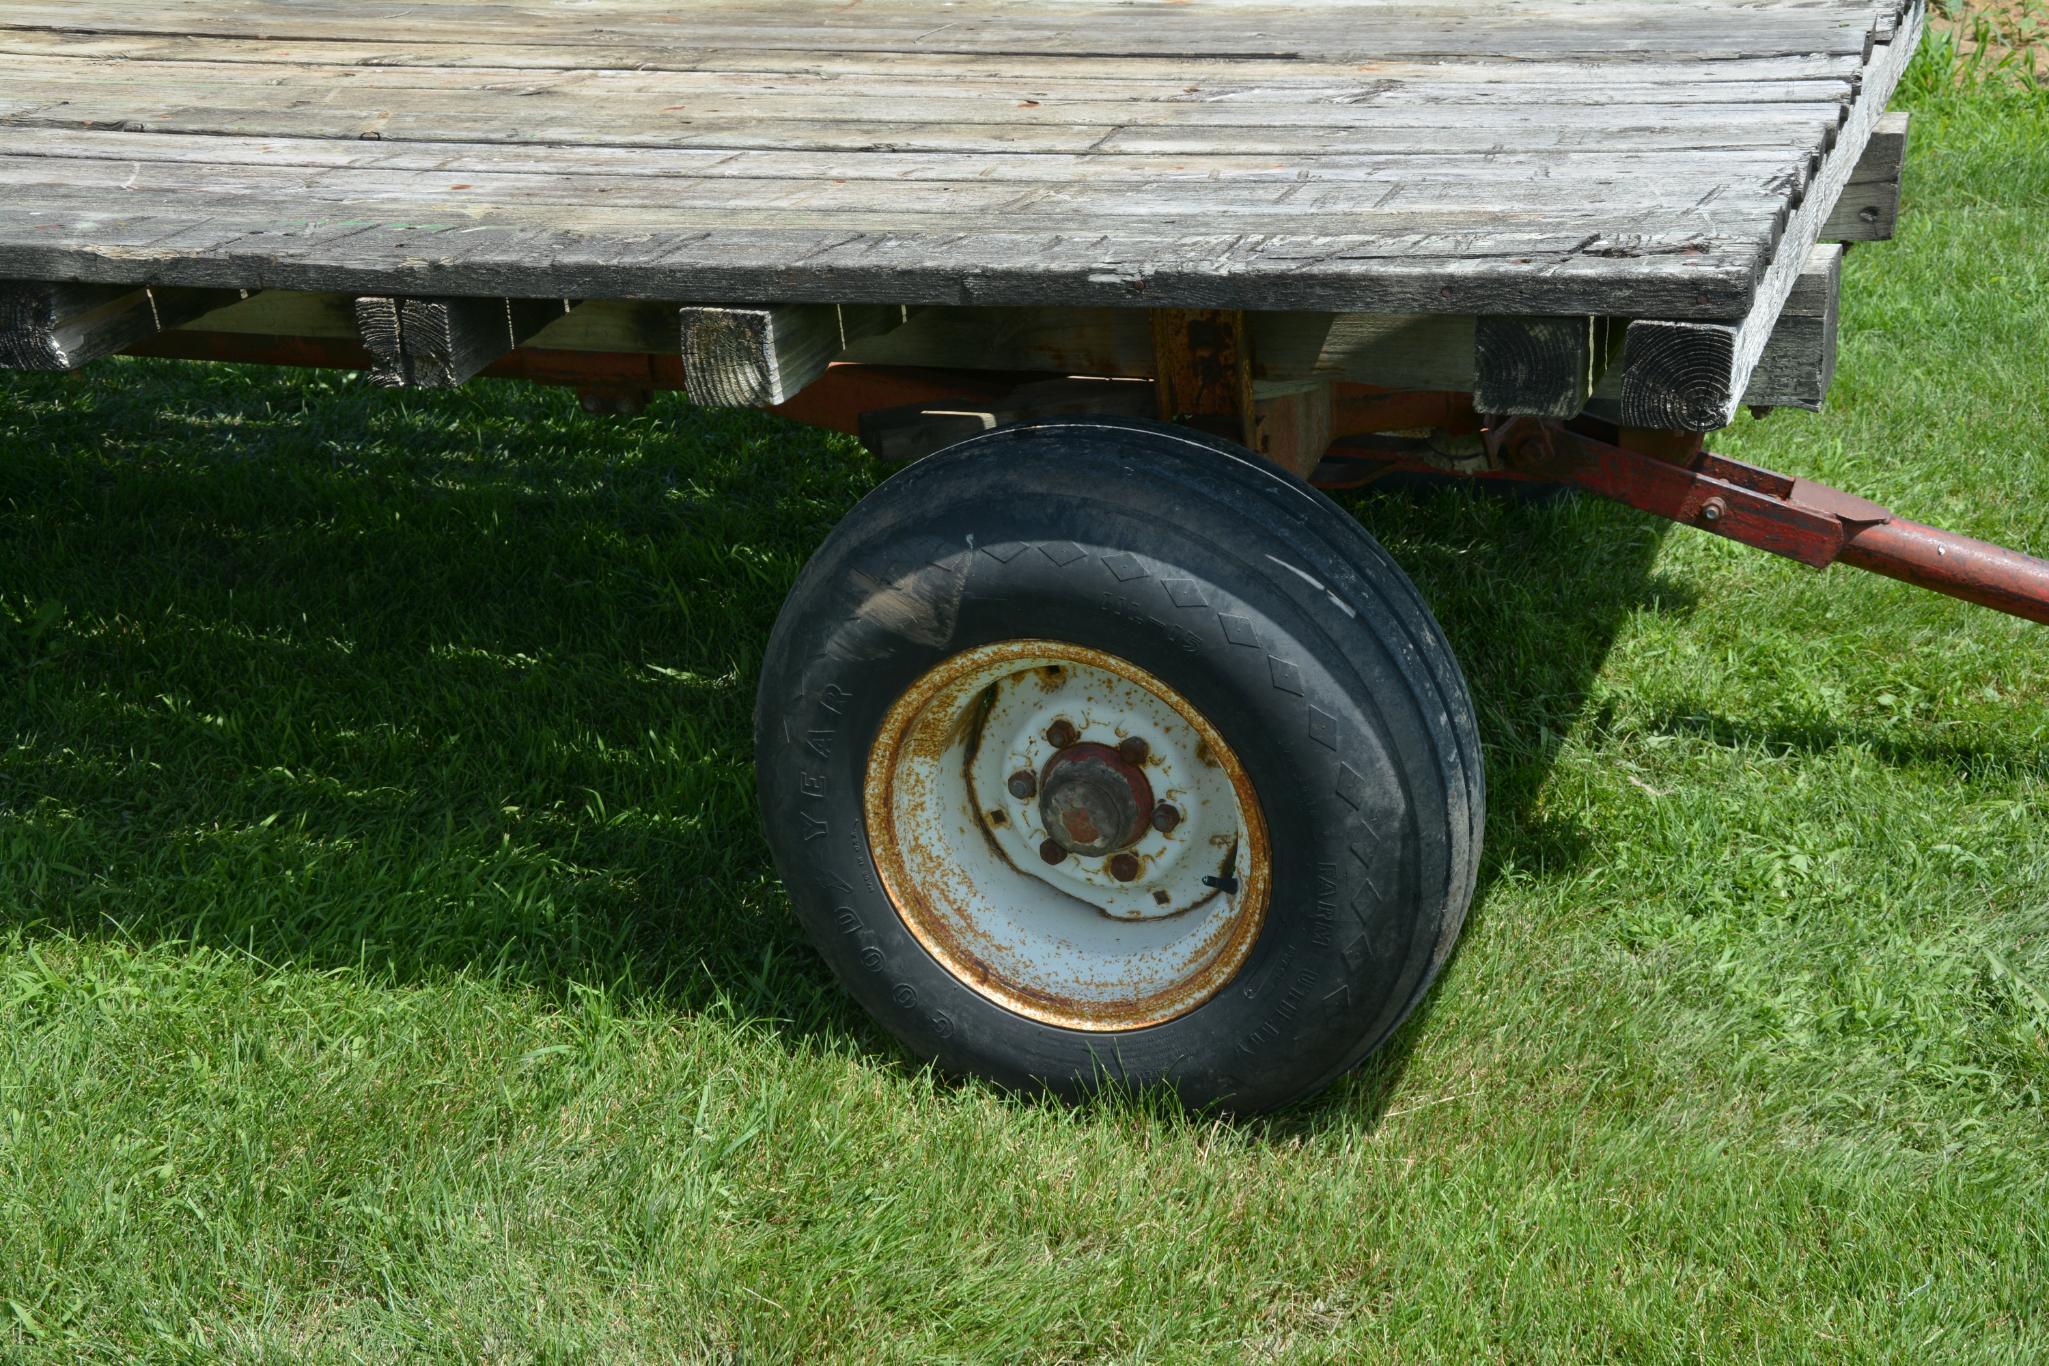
x: 1100, y: 752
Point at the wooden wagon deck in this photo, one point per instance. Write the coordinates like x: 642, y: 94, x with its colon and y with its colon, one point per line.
x: 1664, y: 162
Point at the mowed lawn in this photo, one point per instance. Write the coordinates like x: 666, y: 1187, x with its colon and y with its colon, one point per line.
x: 390, y: 963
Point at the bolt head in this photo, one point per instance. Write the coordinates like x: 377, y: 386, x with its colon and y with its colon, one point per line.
x: 1052, y: 852
x: 1062, y: 733
x: 1165, y: 818
x: 1024, y: 784
x: 1133, y: 749
x: 1125, y: 868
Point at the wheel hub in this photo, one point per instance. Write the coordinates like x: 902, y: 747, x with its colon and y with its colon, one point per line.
x: 1092, y: 802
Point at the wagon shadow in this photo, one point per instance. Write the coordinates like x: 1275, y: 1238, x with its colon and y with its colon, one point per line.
x: 418, y: 700
x: 1532, y: 597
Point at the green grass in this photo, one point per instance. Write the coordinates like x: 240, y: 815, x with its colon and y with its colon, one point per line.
x: 390, y: 964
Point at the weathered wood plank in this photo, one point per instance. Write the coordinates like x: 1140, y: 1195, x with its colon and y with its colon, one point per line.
x: 1799, y: 363
x: 759, y: 357
x: 1691, y: 376
x: 442, y: 343
x: 1555, y: 158
x: 951, y: 96
x: 1870, y: 206
x: 1374, y: 32
x: 1541, y: 367
x: 1206, y: 75
x: 1672, y: 275
x: 56, y: 327
x: 1741, y: 200
x: 1593, y: 169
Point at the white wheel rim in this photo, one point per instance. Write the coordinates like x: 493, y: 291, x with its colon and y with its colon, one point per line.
x: 1106, y: 940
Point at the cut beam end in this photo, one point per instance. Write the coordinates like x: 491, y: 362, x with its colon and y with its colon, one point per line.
x: 441, y: 343
x: 762, y: 356
x: 54, y: 327
x: 1539, y: 367
x: 1677, y: 376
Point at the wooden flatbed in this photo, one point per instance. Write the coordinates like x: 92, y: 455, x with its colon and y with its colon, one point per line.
x: 1666, y: 164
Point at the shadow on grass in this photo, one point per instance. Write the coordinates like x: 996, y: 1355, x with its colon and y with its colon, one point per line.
x: 1965, y: 761
x: 463, y: 685
x: 1532, y: 597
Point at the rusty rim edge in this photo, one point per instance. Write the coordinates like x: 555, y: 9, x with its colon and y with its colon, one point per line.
x: 898, y: 883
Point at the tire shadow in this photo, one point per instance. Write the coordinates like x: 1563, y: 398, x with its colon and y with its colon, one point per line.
x: 1532, y: 596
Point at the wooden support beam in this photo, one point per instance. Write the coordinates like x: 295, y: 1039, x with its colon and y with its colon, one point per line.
x: 1292, y: 423
x: 1540, y: 367
x: 1800, y: 360
x: 760, y: 357
x: 1692, y: 376
x: 1870, y: 206
x: 57, y: 326
x: 1388, y: 350
x: 441, y: 343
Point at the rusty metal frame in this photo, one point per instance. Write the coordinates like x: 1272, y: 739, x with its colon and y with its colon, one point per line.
x: 1796, y: 518
x: 1202, y: 369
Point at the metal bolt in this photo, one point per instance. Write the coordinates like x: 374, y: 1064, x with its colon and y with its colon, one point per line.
x: 1024, y: 784
x: 1711, y: 511
x: 1125, y: 868
x: 1052, y: 852
x: 1062, y: 733
x: 1165, y: 818
x: 1133, y: 749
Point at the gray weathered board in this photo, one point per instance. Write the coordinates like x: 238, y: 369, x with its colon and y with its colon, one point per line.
x: 1668, y: 163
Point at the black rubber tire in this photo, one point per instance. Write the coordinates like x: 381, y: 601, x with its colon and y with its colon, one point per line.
x: 1270, y: 610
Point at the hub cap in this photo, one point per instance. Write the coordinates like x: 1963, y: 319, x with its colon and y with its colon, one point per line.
x: 1067, y: 835
x: 1092, y: 802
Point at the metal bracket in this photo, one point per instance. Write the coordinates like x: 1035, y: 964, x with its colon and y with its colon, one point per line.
x: 1797, y: 518
x: 1202, y: 361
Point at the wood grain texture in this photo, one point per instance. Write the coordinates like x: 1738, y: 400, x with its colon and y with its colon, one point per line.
x: 1539, y: 367
x: 58, y: 327
x: 1552, y: 158
x: 1870, y: 207
x: 441, y: 343
x: 1692, y: 376
x: 760, y: 357
x: 1799, y: 361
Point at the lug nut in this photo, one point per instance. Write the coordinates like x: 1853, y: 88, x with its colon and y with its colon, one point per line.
x: 1125, y: 868
x: 1062, y: 733
x: 1133, y: 750
x: 1024, y: 784
x: 1165, y: 818
x: 1052, y: 852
